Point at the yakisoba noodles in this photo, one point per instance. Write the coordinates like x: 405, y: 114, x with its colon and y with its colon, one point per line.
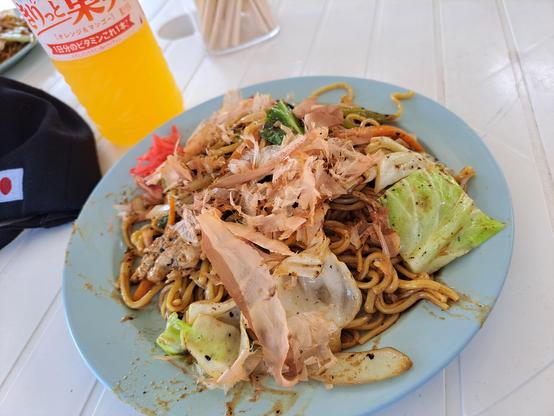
x: 281, y: 235
x: 14, y: 34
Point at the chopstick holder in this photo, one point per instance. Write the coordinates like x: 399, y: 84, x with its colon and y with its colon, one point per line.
x: 230, y: 25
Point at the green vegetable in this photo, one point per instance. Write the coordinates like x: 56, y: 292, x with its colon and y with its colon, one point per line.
x: 162, y: 222
x: 435, y: 219
x: 279, y: 115
x: 398, y: 165
x: 170, y: 339
x: 381, y: 118
x: 215, y: 345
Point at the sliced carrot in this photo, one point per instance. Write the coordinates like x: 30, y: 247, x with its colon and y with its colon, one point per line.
x: 144, y: 286
x: 171, y: 215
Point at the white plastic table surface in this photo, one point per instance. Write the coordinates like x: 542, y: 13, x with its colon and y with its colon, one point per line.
x: 491, y: 62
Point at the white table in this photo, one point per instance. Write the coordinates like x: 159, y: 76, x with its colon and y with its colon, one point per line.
x: 490, y: 62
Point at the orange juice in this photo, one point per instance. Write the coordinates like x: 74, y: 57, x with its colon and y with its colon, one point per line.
x: 107, y: 53
x: 127, y: 90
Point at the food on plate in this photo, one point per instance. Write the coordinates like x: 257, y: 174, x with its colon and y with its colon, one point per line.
x: 278, y: 236
x: 435, y: 219
x: 14, y: 34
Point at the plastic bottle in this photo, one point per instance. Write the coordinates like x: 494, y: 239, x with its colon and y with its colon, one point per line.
x: 107, y: 53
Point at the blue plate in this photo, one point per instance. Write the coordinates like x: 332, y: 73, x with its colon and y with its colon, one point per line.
x: 123, y: 354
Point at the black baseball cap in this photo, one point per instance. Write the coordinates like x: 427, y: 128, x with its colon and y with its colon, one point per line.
x: 48, y: 160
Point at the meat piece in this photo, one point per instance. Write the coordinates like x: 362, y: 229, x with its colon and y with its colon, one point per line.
x: 187, y: 227
x: 166, y: 253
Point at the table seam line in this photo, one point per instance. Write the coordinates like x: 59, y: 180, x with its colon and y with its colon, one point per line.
x: 157, y: 12
x: 102, y: 394
x: 200, y: 62
x: 322, y: 15
x: 21, y: 245
x: 440, y: 95
x: 372, y: 42
x: 45, y: 318
x: 515, y: 389
x: 440, y: 83
x: 253, y: 50
x: 89, y: 396
x: 536, y: 139
x: 370, y: 36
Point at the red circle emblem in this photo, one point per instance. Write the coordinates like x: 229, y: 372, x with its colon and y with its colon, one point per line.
x: 5, y: 185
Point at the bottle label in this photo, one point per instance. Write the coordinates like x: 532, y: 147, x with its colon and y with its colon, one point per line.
x: 74, y: 29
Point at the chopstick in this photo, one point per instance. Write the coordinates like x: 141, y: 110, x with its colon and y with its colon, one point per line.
x: 228, y: 17
x: 214, y: 33
x: 256, y: 12
x: 235, y: 40
x: 265, y: 11
x: 221, y: 21
x: 207, y: 17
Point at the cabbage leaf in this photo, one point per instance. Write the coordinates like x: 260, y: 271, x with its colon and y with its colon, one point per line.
x: 170, y: 340
x: 435, y: 219
x: 398, y: 165
x: 215, y: 345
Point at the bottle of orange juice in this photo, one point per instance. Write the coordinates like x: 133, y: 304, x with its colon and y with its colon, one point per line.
x: 107, y: 53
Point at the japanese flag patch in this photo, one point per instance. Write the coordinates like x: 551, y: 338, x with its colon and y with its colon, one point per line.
x: 11, y: 185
